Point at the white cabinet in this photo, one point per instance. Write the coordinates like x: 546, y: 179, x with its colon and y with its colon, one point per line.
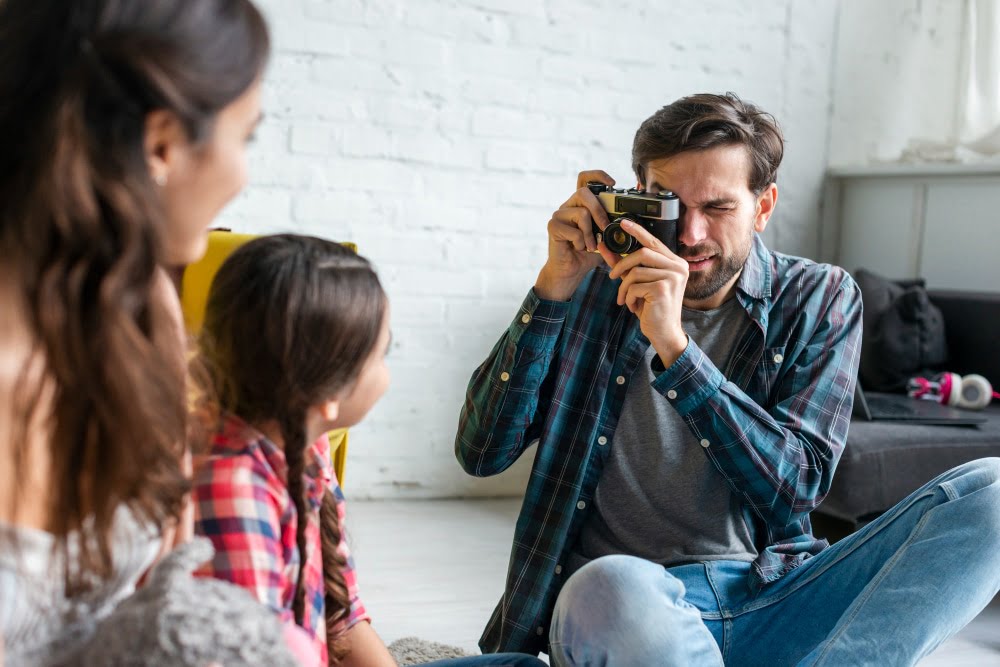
x: 940, y: 223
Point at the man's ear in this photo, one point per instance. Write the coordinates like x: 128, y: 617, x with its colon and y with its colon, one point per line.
x: 766, y: 203
x: 165, y: 144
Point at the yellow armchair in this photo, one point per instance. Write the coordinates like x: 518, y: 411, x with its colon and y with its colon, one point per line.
x: 195, y: 284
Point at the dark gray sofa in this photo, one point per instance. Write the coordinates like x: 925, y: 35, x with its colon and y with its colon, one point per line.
x: 883, y: 462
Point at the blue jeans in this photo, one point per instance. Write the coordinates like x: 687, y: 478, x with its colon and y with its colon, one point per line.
x: 491, y: 660
x: 887, y: 595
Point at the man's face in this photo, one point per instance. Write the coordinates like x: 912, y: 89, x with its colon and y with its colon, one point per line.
x: 719, y: 214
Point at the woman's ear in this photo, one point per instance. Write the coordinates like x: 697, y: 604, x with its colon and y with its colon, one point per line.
x: 165, y: 145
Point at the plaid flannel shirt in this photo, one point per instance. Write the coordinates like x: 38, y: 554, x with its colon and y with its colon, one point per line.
x: 773, y: 421
x: 242, y: 504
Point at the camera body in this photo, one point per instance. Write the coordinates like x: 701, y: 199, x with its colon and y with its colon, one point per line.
x: 657, y: 213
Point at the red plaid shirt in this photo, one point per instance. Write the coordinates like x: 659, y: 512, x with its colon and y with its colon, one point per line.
x: 242, y: 504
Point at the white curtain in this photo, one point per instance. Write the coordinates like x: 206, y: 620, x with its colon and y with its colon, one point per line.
x: 916, y: 81
x: 978, y: 119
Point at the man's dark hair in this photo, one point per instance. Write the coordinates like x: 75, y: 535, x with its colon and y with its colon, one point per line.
x: 704, y: 121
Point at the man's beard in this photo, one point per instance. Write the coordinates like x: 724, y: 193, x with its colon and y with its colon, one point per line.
x: 703, y: 284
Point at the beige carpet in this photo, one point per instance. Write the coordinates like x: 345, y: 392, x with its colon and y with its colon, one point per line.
x: 416, y: 651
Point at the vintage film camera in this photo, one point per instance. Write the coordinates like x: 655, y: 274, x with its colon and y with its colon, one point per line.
x: 657, y: 213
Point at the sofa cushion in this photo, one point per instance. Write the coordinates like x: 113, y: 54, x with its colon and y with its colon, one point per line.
x: 904, y: 333
x: 972, y: 326
x: 884, y: 462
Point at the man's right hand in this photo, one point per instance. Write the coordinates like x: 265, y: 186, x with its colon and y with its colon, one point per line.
x: 572, y: 246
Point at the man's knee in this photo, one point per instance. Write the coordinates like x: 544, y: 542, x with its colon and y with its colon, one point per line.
x: 981, y: 476
x: 615, y: 586
x: 988, y: 474
x: 976, y: 485
x: 614, y: 593
x: 626, y: 610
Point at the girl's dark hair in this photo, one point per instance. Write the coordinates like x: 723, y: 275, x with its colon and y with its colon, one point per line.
x: 289, y: 323
x: 701, y: 122
x: 80, y: 228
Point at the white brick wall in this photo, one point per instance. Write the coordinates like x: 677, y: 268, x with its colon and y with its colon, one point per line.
x: 439, y: 136
x: 897, y: 77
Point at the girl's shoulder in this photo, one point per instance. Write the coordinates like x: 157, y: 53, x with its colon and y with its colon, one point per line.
x: 239, y: 456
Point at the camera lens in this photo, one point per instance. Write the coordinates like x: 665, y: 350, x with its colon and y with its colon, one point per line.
x: 617, y: 239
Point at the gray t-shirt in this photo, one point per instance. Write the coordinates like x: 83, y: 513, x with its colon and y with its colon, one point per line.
x: 659, y: 496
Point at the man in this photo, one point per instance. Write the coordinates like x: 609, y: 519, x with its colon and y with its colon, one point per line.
x: 690, y: 409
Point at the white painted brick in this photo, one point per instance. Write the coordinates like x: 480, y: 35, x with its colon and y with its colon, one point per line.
x: 406, y: 281
x: 498, y: 122
x: 261, y: 204
x: 346, y: 207
x: 407, y: 113
x: 501, y: 91
x: 416, y: 312
x: 458, y: 23
x: 520, y: 7
x: 374, y: 175
x: 498, y: 59
x: 295, y: 174
x: 309, y: 101
x: 411, y: 248
x: 311, y: 138
x: 495, y: 252
x: 524, y: 156
x: 435, y: 148
x: 339, y: 73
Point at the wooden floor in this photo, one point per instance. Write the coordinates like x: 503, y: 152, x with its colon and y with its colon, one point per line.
x: 434, y: 569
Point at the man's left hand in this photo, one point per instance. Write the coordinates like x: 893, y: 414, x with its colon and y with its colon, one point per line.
x: 653, y: 282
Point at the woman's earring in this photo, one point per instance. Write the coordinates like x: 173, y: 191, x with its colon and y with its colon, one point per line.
x: 161, y: 179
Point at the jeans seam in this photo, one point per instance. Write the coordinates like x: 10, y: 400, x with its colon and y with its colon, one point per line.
x: 812, y: 576
x: 861, y: 600
x: 722, y: 614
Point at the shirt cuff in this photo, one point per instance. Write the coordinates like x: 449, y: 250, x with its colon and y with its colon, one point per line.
x: 539, y: 317
x: 689, y: 381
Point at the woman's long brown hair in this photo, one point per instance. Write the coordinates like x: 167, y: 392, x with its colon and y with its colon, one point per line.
x: 81, y: 230
x: 290, y: 322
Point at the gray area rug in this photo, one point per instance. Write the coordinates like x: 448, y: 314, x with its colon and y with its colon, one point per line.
x: 416, y: 651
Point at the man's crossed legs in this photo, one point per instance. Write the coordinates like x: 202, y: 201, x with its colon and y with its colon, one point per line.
x: 887, y: 595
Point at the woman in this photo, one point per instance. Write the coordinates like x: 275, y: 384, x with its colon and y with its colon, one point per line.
x: 123, y: 126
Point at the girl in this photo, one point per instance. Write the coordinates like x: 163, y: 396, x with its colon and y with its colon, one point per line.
x: 123, y: 127
x: 295, y: 337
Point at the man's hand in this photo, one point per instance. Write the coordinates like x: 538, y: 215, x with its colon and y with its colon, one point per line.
x: 653, y: 282
x: 571, y: 240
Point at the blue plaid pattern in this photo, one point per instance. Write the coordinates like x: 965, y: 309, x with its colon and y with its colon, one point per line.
x: 775, y: 418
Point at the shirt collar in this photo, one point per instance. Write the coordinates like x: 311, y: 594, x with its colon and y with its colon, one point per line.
x: 236, y: 432
x: 755, y: 280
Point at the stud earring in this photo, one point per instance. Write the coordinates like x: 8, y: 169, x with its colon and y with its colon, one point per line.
x: 160, y: 179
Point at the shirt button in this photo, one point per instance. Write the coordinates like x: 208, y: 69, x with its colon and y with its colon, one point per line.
x: 539, y: 630
x: 526, y: 318
x: 504, y: 376
x: 602, y: 440
x: 620, y: 379
x: 558, y: 569
x: 778, y: 358
x: 704, y: 442
x: 581, y: 505
x: 671, y: 394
